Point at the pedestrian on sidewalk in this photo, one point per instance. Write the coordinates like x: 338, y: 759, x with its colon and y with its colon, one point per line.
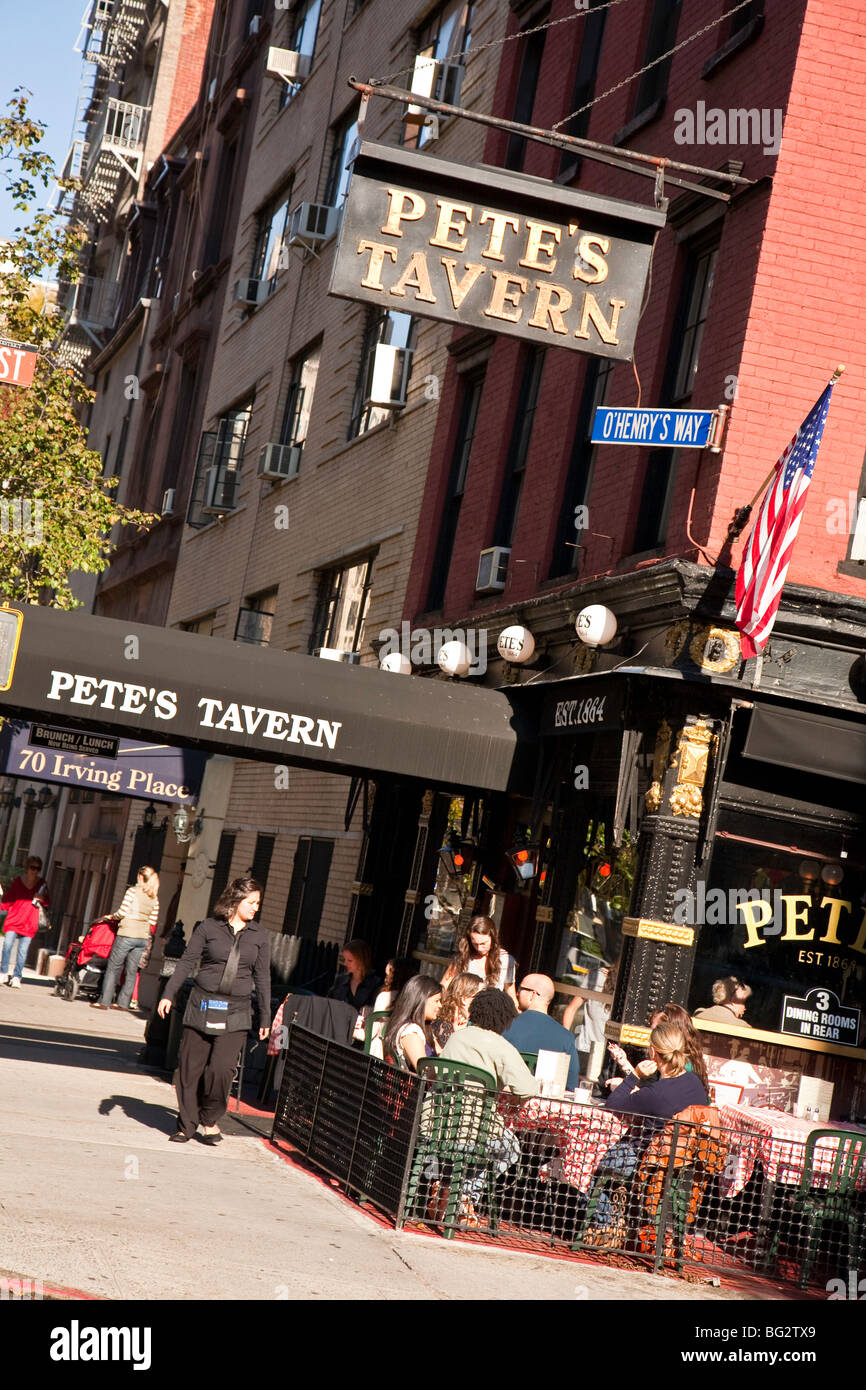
x: 137, y: 915
x: 21, y: 902
x: 231, y: 952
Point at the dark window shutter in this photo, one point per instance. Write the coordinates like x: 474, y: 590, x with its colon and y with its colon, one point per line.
x: 222, y: 868
x: 307, y: 890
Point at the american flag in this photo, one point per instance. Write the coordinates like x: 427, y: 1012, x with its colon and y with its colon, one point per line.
x: 761, y: 576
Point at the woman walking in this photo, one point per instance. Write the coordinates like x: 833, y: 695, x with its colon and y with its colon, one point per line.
x: 233, y: 953
x: 137, y: 915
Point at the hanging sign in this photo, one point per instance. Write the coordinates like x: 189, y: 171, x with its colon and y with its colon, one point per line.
x: 488, y: 249
x: 820, y: 1015
x: 17, y: 362
x: 680, y: 429
x: 100, y: 763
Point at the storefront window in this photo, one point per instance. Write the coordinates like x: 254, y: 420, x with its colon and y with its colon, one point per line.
x: 792, y: 928
x: 590, y: 944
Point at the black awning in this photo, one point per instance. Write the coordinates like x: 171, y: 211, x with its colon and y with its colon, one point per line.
x: 808, y: 742
x: 245, y: 701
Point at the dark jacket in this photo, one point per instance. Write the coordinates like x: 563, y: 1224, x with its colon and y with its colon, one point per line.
x: 665, y: 1098
x: 366, y: 992
x: 533, y: 1031
x: 210, y: 945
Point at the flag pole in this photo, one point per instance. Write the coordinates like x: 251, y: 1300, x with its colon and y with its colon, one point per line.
x: 738, y: 525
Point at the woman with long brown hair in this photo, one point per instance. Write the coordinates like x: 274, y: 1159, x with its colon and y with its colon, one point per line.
x: 479, y: 953
x: 233, y: 953
x: 454, y: 1011
x: 695, y: 1062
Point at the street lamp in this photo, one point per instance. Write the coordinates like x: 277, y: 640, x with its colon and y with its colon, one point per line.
x: 149, y: 818
x: 45, y: 798
x: 28, y: 796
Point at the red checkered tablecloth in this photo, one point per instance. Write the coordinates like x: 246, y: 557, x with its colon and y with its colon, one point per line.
x: 584, y: 1134
x: 779, y: 1141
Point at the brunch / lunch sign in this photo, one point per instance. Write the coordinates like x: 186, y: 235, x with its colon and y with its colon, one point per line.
x: 492, y: 250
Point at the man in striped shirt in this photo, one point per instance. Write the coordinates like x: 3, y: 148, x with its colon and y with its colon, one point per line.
x: 138, y: 915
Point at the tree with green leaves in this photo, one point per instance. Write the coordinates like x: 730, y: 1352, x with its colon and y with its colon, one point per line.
x: 57, y: 511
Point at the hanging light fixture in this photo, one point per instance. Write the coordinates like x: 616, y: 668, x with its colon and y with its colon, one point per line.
x: 45, y: 798
x: 181, y: 825
x: 28, y: 796
x: 148, y: 820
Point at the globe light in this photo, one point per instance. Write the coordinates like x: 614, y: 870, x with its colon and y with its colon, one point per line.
x: 833, y: 874
x: 454, y: 658
x: 397, y: 662
x: 516, y: 644
x: 596, y: 625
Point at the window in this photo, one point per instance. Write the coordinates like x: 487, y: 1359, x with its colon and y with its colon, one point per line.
x: 682, y: 367
x: 467, y: 421
x: 394, y: 328
x: 180, y: 425
x: 269, y: 255
x: 218, y: 219
x: 307, y: 890
x: 521, y: 434
x: 445, y: 37
x: 344, y: 594
x: 217, y: 473
x: 662, y: 35
x: 527, y: 84
x: 261, y: 865
x: 299, y: 402
x: 305, y: 29
x: 345, y: 139
x: 566, y: 554
x: 255, y: 620
x: 584, y: 85
x: 203, y: 626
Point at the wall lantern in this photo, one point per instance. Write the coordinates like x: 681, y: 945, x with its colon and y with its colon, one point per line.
x: 45, y: 798
x: 596, y: 625
x: 833, y: 874
x: 397, y: 662
x: 516, y: 644
x: 454, y: 658
x: 28, y: 796
x: 181, y: 825
x: 456, y: 856
x: 7, y: 796
x: 148, y: 819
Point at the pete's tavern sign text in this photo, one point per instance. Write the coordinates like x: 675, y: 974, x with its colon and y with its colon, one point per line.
x: 489, y: 249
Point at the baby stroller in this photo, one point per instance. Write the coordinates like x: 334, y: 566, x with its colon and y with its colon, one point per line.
x: 85, y: 963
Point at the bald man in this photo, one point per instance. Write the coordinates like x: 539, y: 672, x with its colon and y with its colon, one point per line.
x: 535, y: 1031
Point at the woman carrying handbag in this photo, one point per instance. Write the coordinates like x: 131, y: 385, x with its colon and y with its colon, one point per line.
x: 232, y: 952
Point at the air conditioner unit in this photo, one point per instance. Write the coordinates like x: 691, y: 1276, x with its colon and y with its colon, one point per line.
x: 167, y: 502
x: 220, y: 489
x: 287, y: 64
x: 279, y: 461
x: 389, y: 377
x: 247, y: 291
x: 442, y: 81
x: 492, y: 569
x: 312, y: 223
x: 255, y: 25
x: 334, y: 654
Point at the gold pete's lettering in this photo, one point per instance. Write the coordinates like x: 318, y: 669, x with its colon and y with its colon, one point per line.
x: 499, y: 221
x: 460, y: 288
x: 793, y: 915
x: 416, y: 277
x: 591, y: 311
x: 398, y: 212
x: 445, y: 225
x: 537, y: 246
x: 835, y: 905
x: 546, y: 308
x: 378, y: 251
x: 598, y: 263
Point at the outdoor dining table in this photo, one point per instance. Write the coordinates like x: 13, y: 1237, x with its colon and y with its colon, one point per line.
x: 582, y: 1133
x: 778, y: 1141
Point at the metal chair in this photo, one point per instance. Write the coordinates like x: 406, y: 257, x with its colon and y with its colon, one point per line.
x: 372, y: 1021
x: 455, y: 1131
x: 829, y: 1193
x: 531, y: 1060
x: 673, y: 1175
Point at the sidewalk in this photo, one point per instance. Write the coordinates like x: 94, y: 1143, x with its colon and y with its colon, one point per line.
x: 96, y: 1199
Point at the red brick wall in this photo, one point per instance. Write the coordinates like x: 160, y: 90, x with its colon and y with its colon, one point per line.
x: 785, y: 305
x: 197, y: 20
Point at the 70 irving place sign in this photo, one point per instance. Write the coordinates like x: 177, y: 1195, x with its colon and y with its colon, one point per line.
x: 487, y: 249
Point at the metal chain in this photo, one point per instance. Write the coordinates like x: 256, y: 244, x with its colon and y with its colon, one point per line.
x: 509, y: 38
x: 663, y: 57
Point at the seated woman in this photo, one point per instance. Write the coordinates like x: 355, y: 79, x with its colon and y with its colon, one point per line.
x: 410, y: 1033
x: 398, y: 972
x: 479, y: 953
x: 680, y: 1017
x: 454, y: 1013
x: 357, y: 985
x: 675, y: 1089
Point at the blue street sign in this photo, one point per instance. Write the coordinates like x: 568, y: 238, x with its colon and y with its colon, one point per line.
x: 681, y: 429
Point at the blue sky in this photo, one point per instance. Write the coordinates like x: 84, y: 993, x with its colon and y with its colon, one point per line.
x: 36, y: 52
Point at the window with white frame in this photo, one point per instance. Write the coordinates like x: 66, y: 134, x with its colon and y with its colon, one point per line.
x: 299, y: 402
x: 305, y: 29
x: 220, y: 457
x: 255, y: 619
x: 343, y: 149
x: 443, y: 39
x: 344, y: 595
x: 395, y: 329
x: 269, y: 254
